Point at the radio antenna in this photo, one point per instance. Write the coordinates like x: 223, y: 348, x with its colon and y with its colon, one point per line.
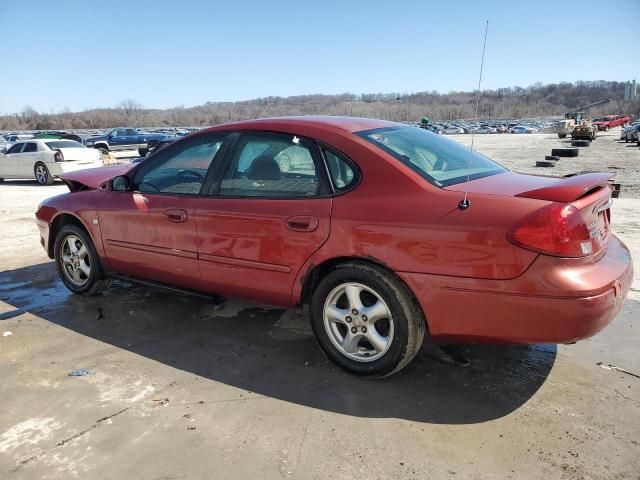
x: 465, y: 203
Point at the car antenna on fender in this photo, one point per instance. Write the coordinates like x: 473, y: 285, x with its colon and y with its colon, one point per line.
x: 465, y: 203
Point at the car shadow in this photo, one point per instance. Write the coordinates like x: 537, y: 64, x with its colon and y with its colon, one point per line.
x: 271, y: 351
x: 27, y: 183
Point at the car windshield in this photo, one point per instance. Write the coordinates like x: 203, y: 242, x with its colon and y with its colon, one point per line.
x: 438, y: 160
x: 63, y: 144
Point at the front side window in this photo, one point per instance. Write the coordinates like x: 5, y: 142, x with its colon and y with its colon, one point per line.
x: 274, y: 165
x: 440, y: 161
x: 180, y: 168
x: 120, y: 132
x: 130, y: 132
x: 17, y: 148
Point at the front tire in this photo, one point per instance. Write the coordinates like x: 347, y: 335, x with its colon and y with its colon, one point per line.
x: 366, y: 320
x: 41, y: 172
x: 78, y: 263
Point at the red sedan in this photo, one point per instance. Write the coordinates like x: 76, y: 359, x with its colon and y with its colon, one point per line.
x: 363, y: 220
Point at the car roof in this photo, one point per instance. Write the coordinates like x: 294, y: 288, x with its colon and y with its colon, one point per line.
x: 318, y: 122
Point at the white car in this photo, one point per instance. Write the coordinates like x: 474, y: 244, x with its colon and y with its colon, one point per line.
x: 523, y: 129
x: 46, y: 159
x: 452, y: 130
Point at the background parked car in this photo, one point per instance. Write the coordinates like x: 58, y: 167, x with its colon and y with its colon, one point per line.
x: 452, y: 130
x: 46, y: 159
x: 630, y: 133
x: 610, y: 121
x: 118, y: 139
x: 522, y: 129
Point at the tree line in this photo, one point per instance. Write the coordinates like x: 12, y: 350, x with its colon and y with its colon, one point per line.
x: 513, y: 102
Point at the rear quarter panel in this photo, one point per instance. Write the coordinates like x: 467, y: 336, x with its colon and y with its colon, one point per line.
x: 396, y: 218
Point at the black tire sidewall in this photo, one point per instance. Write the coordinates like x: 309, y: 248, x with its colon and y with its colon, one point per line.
x: 383, y: 286
x: 96, y: 271
x: 49, y: 177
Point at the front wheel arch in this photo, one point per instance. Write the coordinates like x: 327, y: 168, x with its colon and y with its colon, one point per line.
x: 60, y: 221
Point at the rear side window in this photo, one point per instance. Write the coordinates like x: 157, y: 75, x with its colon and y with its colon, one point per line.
x: 64, y: 144
x: 274, y: 165
x: 30, y: 147
x: 440, y: 161
x: 342, y: 174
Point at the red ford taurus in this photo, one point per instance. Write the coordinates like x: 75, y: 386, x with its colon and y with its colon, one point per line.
x: 364, y: 221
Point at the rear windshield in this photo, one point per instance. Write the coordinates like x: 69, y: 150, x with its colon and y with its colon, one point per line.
x: 63, y: 144
x: 438, y: 160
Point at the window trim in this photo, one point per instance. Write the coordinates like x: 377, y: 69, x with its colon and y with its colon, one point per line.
x: 357, y: 172
x: 153, y: 160
x: 324, y: 184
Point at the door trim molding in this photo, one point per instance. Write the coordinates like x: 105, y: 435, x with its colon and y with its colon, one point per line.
x: 244, y: 263
x: 149, y: 248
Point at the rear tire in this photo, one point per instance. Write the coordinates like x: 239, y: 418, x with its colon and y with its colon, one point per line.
x: 378, y: 346
x: 78, y: 263
x: 562, y: 135
x: 41, y: 172
x: 581, y: 143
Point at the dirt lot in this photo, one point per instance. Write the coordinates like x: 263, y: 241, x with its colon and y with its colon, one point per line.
x: 181, y: 388
x: 606, y: 153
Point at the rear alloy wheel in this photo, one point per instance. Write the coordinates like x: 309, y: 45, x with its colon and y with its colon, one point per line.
x: 43, y: 177
x: 366, y: 321
x: 77, y: 262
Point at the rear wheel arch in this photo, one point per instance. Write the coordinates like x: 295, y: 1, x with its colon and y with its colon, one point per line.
x: 312, y: 277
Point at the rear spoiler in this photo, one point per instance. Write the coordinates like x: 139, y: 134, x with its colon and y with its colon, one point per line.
x: 570, y: 188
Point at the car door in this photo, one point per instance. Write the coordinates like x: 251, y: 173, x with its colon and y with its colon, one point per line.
x: 9, y: 161
x: 26, y: 160
x: 267, y: 213
x: 118, y: 139
x: 131, y: 139
x: 149, y: 231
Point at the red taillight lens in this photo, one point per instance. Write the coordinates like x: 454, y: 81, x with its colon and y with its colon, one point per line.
x: 557, y: 229
x: 58, y: 157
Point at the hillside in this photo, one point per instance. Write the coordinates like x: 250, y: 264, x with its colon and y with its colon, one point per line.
x: 512, y: 102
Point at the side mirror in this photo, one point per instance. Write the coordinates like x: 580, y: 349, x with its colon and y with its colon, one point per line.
x: 120, y: 183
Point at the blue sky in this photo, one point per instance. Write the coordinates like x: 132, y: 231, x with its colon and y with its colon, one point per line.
x: 79, y: 54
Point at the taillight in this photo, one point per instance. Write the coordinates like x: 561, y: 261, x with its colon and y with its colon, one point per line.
x: 58, y: 157
x: 557, y: 229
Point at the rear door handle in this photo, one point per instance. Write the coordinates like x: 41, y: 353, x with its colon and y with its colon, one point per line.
x: 176, y: 215
x: 302, y: 223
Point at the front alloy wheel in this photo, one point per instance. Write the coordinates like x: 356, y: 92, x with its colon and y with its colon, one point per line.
x: 76, y: 263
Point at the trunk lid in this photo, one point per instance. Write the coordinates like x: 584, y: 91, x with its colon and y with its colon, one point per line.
x: 79, y: 154
x: 589, y: 193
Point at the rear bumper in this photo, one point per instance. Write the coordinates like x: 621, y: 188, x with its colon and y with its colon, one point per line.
x: 554, y: 301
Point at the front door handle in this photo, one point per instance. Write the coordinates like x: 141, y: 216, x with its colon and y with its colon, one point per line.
x: 302, y: 223
x: 176, y: 215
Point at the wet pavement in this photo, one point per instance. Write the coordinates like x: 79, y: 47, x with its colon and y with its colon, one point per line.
x: 181, y: 387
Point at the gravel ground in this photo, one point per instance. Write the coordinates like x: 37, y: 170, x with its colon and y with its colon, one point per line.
x: 180, y: 388
x: 606, y: 153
